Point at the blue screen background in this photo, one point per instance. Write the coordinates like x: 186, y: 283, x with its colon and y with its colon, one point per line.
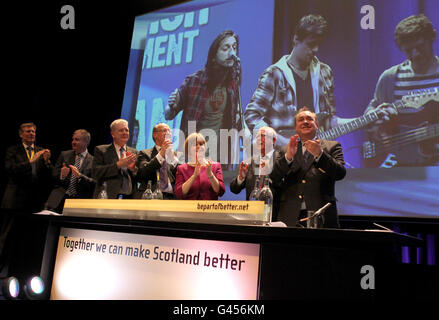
x: 265, y: 27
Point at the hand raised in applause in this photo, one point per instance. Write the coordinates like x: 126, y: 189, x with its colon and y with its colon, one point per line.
x: 45, y: 153
x: 197, y: 170
x: 75, y: 171
x: 64, y: 171
x: 164, y: 147
x: 243, y: 169
x: 314, y: 147
x: 129, y: 161
x: 208, y: 165
x: 292, y: 147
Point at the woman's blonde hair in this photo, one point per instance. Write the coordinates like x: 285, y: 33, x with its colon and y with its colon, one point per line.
x: 192, y: 140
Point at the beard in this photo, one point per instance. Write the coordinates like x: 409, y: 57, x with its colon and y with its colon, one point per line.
x: 222, y: 75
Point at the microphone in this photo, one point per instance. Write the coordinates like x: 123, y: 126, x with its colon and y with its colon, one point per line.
x: 317, y: 213
x: 383, y: 227
x: 322, y: 209
x: 236, y: 67
x: 234, y: 57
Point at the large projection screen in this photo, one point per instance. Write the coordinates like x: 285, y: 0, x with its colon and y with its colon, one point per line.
x: 399, y: 178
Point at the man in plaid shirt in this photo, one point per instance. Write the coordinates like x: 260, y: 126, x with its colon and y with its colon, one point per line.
x: 296, y: 80
x: 210, y: 96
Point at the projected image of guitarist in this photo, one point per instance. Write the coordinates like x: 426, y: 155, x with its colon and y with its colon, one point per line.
x: 411, y: 136
x: 301, y: 79
x: 211, y: 96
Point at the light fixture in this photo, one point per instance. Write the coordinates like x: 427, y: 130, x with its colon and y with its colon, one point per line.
x: 10, y: 288
x: 34, y: 288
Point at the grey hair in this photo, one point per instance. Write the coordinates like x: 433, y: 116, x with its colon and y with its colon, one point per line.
x: 269, y: 129
x: 84, y: 133
x: 116, y: 122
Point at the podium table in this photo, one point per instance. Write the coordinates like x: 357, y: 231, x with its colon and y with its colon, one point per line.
x: 282, y: 263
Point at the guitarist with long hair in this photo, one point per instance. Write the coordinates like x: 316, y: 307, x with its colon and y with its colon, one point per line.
x: 210, y: 97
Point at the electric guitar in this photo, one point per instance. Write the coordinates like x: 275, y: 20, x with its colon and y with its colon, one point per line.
x: 411, y: 101
x: 411, y: 139
x: 393, y: 149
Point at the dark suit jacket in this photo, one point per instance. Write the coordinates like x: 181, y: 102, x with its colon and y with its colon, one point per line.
x: 250, y: 180
x: 86, y: 184
x: 148, y: 165
x: 316, y: 184
x: 25, y: 191
x: 104, y: 169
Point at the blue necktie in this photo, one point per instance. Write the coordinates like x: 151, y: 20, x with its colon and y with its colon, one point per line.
x: 163, y: 176
x: 126, y: 182
x: 307, y: 160
x: 29, y: 152
x: 33, y: 165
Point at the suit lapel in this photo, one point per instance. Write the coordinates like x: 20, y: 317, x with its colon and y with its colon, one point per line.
x: 324, y: 145
x: 85, y: 163
x: 154, y: 152
x: 23, y: 153
x: 112, y: 154
x: 299, y: 154
x: 71, y: 158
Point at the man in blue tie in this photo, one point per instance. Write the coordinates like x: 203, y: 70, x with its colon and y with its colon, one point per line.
x: 159, y: 163
x: 306, y: 171
x: 72, y: 173
x: 29, y: 170
x: 114, y: 164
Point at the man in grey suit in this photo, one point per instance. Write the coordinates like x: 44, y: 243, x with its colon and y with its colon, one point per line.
x: 261, y: 164
x: 72, y: 173
x: 114, y: 164
x: 306, y: 173
x: 158, y: 163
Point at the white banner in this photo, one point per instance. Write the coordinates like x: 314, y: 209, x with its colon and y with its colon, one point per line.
x: 110, y: 265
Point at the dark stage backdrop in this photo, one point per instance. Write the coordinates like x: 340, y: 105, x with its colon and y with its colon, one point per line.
x: 65, y: 79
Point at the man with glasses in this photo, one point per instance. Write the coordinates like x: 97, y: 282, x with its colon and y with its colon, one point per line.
x: 159, y: 163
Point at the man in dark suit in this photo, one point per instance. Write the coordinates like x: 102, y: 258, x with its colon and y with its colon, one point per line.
x: 114, y: 164
x: 29, y: 171
x: 261, y: 164
x: 158, y: 164
x: 72, y: 173
x: 306, y: 173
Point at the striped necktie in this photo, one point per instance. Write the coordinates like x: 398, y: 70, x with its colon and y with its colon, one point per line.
x: 72, y: 190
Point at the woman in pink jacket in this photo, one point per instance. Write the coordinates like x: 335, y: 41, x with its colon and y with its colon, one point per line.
x: 200, y: 178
